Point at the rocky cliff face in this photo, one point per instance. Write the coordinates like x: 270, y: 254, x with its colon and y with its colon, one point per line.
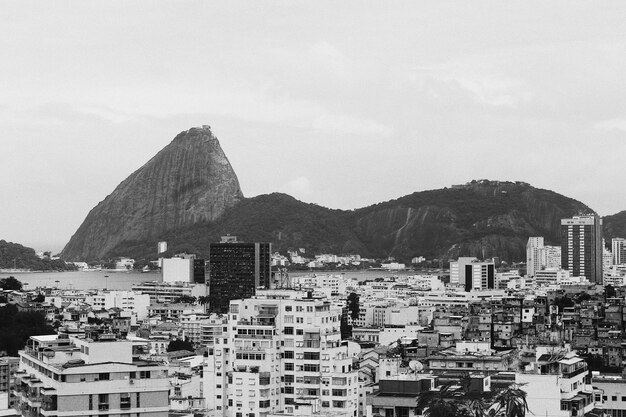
x: 190, y: 181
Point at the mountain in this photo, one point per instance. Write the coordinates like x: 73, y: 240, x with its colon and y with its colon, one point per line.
x: 189, y: 181
x: 189, y: 196
x: 14, y: 255
x: 483, y: 219
x: 614, y: 226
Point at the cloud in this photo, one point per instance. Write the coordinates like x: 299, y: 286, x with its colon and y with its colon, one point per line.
x: 350, y: 125
x: 612, y: 124
x: 484, y: 83
x: 329, y: 58
x: 300, y: 186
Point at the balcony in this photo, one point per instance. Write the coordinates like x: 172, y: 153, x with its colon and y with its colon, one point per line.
x: 575, y: 372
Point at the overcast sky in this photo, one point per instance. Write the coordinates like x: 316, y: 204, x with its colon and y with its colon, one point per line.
x: 343, y: 104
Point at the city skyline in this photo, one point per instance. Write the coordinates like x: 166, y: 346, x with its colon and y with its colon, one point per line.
x: 342, y: 109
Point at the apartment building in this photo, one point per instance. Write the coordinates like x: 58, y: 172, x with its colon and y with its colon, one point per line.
x: 98, y: 375
x: 283, y: 349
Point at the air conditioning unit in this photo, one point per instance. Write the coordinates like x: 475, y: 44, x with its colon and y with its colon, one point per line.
x: 132, y: 381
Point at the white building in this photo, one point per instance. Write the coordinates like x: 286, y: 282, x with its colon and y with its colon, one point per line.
x: 133, y: 302
x: 540, y: 256
x: 179, y: 269
x: 281, y: 349
x: 67, y: 376
x: 551, y: 276
x: 618, y: 249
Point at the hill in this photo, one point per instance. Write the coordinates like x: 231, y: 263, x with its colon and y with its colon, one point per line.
x: 614, y: 226
x: 14, y: 255
x: 482, y: 218
x: 189, y: 195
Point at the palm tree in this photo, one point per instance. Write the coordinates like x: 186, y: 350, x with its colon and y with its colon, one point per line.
x: 456, y: 400
x: 509, y: 402
x: 448, y: 401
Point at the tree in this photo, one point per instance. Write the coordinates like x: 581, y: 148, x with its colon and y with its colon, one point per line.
x: 40, y: 298
x: 457, y: 400
x: 353, y: 305
x: 186, y: 299
x: 177, y: 344
x: 10, y: 283
x: 17, y: 326
x: 609, y: 291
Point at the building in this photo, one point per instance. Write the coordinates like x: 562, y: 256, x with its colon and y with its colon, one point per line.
x: 282, y: 348
x: 183, y: 268
x: 62, y: 375
x: 540, y: 256
x: 161, y: 247
x: 8, y: 366
x: 472, y: 274
x: 163, y: 292
x: 129, y: 301
x: 581, y: 245
x: 618, y: 249
x: 236, y: 270
x: 533, y: 255
x: 551, y: 276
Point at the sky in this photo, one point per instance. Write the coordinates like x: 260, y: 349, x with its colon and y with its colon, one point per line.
x: 342, y: 104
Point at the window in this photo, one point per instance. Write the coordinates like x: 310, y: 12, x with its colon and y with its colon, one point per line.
x: 289, y: 378
x: 125, y: 401
x: 287, y: 308
x: 311, y: 367
x: 144, y: 374
x: 299, y: 331
x: 288, y: 354
x: 311, y: 355
x: 288, y: 330
x: 103, y: 402
x: 104, y: 376
x: 288, y: 366
x: 91, y: 402
x: 138, y: 402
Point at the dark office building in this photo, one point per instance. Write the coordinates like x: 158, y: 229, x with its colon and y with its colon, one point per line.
x: 236, y: 270
x: 199, y: 271
x: 581, y: 247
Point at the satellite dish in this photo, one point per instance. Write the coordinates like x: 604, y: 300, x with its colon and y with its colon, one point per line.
x: 416, y: 366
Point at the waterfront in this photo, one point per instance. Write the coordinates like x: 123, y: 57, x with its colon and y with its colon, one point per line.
x: 84, y: 279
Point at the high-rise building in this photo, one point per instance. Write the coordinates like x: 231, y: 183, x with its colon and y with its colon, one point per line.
x: 618, y: 246
x: 540, y: 256
x: 533, y: 255
x: 236, y: 270
x: 70, y: 376
x: 282, y: 351
x: 581, y: 246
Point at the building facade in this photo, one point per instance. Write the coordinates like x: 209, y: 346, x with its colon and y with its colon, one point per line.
x: 581, y: 246
x: 62, y: 375
x: 236, y: 270
x: 282, y: 349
